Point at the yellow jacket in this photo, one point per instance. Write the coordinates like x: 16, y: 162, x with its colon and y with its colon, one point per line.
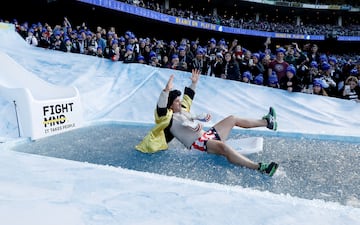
x: 155, y: 140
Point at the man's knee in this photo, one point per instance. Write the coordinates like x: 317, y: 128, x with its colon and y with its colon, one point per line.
x: 217, y: 147
x: 231, y: 117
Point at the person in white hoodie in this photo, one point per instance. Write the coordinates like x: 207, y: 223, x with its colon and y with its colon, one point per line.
x: 31, y: 39
x: 174, y: 119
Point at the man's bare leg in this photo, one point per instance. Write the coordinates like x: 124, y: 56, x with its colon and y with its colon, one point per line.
x: 220, y: 148
x: 225, y: 126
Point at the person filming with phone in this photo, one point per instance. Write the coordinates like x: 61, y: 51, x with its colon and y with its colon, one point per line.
x: 351, y: 89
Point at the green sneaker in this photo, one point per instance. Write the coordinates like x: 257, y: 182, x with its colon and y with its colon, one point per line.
x: 268, y: 169
x: 271, y: 119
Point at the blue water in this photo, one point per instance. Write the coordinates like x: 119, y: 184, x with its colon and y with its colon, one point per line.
x: 310, y: 168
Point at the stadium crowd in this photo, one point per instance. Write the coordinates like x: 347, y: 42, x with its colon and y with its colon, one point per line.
x: 233, y: 19
x: 290, y: 67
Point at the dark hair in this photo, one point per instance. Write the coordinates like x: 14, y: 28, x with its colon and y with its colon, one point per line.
x: 172, y: 96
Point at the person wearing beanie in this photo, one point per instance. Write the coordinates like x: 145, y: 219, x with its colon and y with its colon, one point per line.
x: 318, y: 88
x: 290, y: 82
x: 279, y: 65
x: 256, y: 67
x: 200, y: 62
x: 259, y: 79
x: 273, y: 80
x: 141, y: 59
x: 314, y: 64
x: 174, y: 119
x: 31, y: 39
x: 326, y: 75
x: 247, y: 77
x: 129, y: 56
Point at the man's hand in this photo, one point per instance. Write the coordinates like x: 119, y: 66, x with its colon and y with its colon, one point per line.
x: 195, y: 75
x: 169, y: 84
x: 204, y: 117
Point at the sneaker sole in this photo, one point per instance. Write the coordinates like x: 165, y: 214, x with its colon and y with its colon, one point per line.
x: 274, y: 116
x: 273, y: 170
x: 273, y: 112
x: 275, y: 126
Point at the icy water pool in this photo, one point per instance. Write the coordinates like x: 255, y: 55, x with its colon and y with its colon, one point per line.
x: 310, y: 168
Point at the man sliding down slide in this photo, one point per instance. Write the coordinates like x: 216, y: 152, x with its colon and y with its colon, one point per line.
x: 173, y: 119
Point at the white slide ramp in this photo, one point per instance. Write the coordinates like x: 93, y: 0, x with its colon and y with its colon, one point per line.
x: 42, y: 109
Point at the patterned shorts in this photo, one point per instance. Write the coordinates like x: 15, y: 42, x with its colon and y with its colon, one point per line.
x: 200, y: 143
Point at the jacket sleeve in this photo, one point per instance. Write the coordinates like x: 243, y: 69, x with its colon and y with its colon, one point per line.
x: 155, y: 140
x: 161, y: 106
x: 186, y: 102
